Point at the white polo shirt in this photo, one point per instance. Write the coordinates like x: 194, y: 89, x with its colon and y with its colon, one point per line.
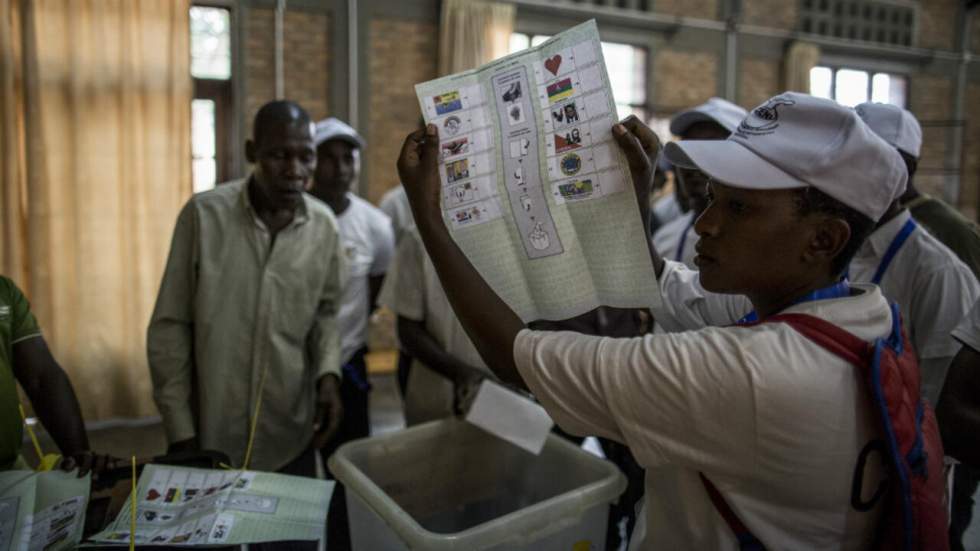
x: 369, y: 244
x: 412, y: 290
x: 773, y: 419
x: 968, y: 330
x: 933, y: 288
x: 670, y: 237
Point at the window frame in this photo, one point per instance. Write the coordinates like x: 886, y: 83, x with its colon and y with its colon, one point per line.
x: 223, y: 93
x: 871, y: 72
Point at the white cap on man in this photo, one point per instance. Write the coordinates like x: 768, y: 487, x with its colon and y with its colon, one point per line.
x: 796, y: 140
x: 722, y: 112
x: 336, y: 129
x: 893, y: 124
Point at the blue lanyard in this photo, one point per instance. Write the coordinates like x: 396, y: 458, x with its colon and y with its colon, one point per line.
x: 837, y: 290
x: 680, y: 246
x: 893, y: 249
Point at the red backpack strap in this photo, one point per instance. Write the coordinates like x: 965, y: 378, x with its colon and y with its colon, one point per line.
x: 832, y: 338
x: 746, y: 540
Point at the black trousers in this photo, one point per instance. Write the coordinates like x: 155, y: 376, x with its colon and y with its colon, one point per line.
x: 965, y: 482
x: 354, y: 390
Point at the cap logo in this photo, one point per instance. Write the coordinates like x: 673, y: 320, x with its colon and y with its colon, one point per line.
x: 763, y: 119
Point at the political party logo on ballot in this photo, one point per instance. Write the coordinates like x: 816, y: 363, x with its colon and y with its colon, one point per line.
x: 570, y: 164
x: 567, y: 141
x: 560, y: 90
x: 579, y: 189
x: 455, y: 147
x: 448, y: 102
x: 553, y: 64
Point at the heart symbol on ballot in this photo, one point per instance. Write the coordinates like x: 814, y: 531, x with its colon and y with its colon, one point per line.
x: 553, y: 64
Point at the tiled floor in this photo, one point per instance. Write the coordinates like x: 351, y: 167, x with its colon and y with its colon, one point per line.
x: 148, y: 440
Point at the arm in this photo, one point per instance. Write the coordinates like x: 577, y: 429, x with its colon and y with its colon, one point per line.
x: 419, y: 344
x: 958, y: 410
x: 323, y: 348
x: 50, y: 392
x: 488, y: 321
x: 170, y: 336
x: 384, y: 241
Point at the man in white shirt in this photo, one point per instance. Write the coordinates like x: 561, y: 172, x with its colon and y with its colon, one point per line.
x: 394, y: 203
x: 774, y: 420
x: 368, y: 242
x: 445, y: 367
x: 714, y: 120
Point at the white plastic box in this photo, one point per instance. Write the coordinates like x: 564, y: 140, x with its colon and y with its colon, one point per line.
x: 447, y: 485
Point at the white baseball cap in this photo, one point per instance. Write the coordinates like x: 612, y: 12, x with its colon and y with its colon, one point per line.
x: 336, y: 129
x: 893, y: 124
x: 716, y: 110
x: 796, y: 140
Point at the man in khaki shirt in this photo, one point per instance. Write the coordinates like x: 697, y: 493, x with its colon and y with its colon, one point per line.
x: 246, y: 310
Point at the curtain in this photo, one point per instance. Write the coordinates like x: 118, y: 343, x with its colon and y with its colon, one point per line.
x: 800, y: 58
x: 472, y: 33
x: 96, y: 167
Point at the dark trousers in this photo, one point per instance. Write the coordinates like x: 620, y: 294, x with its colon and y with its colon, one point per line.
x: 404, y: 366
x: 354, y: 389
x: 304, y: 465
x: 965, y: 481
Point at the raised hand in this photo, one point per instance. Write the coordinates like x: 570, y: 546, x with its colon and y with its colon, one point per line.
x: 418, y: 168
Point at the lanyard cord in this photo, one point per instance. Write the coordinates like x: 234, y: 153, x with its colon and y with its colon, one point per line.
x: 680, y: 246
x: 837, y: 290
x: 893, y: 249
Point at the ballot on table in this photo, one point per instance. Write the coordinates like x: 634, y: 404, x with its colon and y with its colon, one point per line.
x: 42, y: 510
x: 186, y: 507
x: 510, y: 416
x: 535, y: 190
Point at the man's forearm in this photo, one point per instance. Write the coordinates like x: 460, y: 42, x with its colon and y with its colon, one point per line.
x: 57, y: 407
x: 418, y: 343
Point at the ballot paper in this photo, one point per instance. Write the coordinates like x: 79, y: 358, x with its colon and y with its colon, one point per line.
x: 185, y: 507
x: 536, y: 192
x: 42, y: 511
x: 510, y: 416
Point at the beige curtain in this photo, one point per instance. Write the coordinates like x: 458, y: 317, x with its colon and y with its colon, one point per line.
x: 95, y: 98
x: 800, y: 58
x: 472, y: 33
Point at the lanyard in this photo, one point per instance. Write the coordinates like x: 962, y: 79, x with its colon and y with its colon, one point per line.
x: 893, y: 249
x: 837, y: 290
x: 680, y: 246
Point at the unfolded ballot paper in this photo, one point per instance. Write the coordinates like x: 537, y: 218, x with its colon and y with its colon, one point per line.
x: 510, y: 416
x: 42, y: 510
x: 179, y: 506
x: 535, y: 190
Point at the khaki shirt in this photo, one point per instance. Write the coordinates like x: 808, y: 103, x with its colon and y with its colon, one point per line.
x: 233, y: 302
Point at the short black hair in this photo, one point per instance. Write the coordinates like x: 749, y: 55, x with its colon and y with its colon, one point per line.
x: 811, y: 200
x: 277, y: 113
x: 911, y: 163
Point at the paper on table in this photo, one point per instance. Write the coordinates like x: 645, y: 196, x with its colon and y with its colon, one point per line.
x: 42, y: 510
x: 185, y: 507
x: 510, y: 416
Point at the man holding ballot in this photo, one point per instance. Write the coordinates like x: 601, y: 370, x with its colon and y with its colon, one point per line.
x: 776, y: 422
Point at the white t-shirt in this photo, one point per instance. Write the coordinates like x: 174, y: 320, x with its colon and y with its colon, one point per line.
x: 669, y: 237
x: 968, y: 331
x: 369, y: 243
x: 394, y: 203
x: 413, y: 290
x: 667, y: 209
x: 774, y: 420
x: 933, y: 288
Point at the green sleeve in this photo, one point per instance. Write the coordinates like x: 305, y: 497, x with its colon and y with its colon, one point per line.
x: 23, y: 324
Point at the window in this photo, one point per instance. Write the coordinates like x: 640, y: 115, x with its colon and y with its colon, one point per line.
x: 849, y: 86
x: 625, y: 63
x: 211, y: 106
x: 882, y: 21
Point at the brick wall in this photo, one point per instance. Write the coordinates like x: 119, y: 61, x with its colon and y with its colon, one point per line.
x: 970, y: 182
x: 703, y: 9
x: 936, y: 24
x: 780, y: 14
x: 684, y: 79
x: 306, y: 60
x: 931, y: 101
x: 759, y: 80
x: 402, y: 54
